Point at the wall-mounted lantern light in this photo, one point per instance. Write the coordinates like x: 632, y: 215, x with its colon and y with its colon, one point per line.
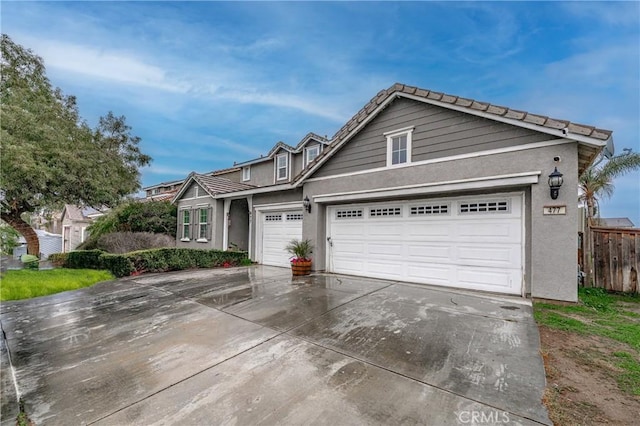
x: 306, y: 203
x: 555, y: 182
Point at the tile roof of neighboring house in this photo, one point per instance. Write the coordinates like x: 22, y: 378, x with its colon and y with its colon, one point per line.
x: 77, y: 213
x: 214, y: 185
x: 165, y: 196
x: 180, y: 181
x: 615, y: 222
x: 562, y: 128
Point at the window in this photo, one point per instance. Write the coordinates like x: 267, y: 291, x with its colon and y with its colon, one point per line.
x: 294, y: 216
x: 273, y: 217
x: 186, y: 224
x: 385, y: 211
x: 348, y: 214
x: 310, y: 154
x: 246, y: 173
x: 203, y: 224
x: 485, y: 207
x: 155, y: 191
x: 399, y: 146
x: 282, y: 166
x: 429, y: 209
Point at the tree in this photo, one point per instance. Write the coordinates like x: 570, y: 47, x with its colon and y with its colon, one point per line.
x: 596, y: 183
x: 50, y: 156
x: 157, y: 217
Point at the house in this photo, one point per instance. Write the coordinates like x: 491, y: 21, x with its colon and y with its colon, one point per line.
x: 167, y: 190
x: 75, y: 221
x: 417, y: 186
x: 49, y: 244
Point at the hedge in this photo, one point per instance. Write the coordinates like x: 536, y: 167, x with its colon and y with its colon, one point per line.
x: 155, y: 260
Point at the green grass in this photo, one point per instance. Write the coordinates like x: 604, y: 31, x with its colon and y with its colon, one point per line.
x: 25, y: 284
x: 603, y: 314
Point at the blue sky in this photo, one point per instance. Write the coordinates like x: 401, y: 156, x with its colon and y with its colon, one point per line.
x: 209, y: 83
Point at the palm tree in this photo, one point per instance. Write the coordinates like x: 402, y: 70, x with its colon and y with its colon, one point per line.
x: 597, y: 183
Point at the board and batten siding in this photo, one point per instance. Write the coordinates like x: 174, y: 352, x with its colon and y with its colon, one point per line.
x: 438, y: 133
x: 191, y: 192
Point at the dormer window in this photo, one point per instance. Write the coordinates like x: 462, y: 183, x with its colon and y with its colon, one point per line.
x: 246, y: 173
x: 399, y: 146
x: 310, y: 154
x: 282, y: 166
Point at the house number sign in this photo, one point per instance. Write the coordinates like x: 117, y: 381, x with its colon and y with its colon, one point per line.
x: 553, y: 210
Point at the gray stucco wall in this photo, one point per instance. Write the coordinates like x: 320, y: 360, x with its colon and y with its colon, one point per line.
x: 550, y: 241
x: 438, y: 133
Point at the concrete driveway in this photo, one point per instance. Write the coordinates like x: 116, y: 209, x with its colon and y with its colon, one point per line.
x: 249, y: 346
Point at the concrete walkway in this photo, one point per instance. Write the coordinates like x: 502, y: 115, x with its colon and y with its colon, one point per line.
x: 252, y: 346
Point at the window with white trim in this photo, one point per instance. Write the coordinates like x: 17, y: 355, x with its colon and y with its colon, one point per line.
x: 348, y: 214
x: 399, y: 146
x: 497, y: 206
x: 385, y: 211
x: 311, y: 154
x: 186, y: 224
x: 294, y: 216
x: 246, y: 173
x: 282, y: 166
x: 429, y: 209
x: 203, y: 224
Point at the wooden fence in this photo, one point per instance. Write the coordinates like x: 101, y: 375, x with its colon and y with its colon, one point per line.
x: 616, y: 253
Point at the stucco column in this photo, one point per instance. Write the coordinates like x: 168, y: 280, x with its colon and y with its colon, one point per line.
x: 225, y: 225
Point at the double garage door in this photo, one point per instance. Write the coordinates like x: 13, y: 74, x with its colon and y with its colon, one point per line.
x: 471, y: 242
x: 278, y: 229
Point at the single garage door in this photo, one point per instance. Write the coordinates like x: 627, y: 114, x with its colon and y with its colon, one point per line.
x: 278, y: 228
x: 471, y: 242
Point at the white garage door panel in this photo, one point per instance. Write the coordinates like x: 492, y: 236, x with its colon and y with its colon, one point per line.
x: 278, y: 229
x: 463, y: 248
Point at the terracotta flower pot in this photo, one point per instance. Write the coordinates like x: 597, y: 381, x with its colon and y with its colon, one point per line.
x: 301, y: 267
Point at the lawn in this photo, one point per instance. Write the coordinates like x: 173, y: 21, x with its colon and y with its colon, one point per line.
x: 592, y: 358
x: 25, y: 284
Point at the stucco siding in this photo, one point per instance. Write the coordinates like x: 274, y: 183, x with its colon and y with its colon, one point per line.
x: 438, y: 132
x: 550, y: 244
x: 261, y: 174
x: 191, y: 191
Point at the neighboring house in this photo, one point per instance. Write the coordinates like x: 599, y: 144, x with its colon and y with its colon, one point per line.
x: 167, y: 190
x: 49, y: 244
x: 418, y: 186
x: 75, y: 221
x: 614, y: 222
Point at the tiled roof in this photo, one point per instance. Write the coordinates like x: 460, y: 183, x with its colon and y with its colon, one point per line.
x: 471, y: 105
x: 279, y: 145
x: 216, y: 185
x: 309, y: 136
x: 223, y: 171
x: 78, y: 213
x: 465, y: 105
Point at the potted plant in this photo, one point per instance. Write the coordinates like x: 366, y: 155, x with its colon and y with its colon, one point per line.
x: 301, y: 256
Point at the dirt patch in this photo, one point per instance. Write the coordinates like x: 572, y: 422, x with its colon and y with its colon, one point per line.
x: 581, y: 384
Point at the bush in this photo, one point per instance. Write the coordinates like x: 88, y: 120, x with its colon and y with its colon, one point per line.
x: 58, y: 259
x: 119, y: 265
x: 156, y: 260
x: 30, y: 261
x: 84, y: 259
x: 126, y: 242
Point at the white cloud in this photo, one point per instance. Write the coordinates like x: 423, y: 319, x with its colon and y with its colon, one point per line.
x: 117, y: 66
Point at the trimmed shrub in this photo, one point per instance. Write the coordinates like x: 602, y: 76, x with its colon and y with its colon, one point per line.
x: 156, y: 260
x: 30, y: 261
x: 84, y: 259
x: 119, y: 265
x: 58, y: 259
